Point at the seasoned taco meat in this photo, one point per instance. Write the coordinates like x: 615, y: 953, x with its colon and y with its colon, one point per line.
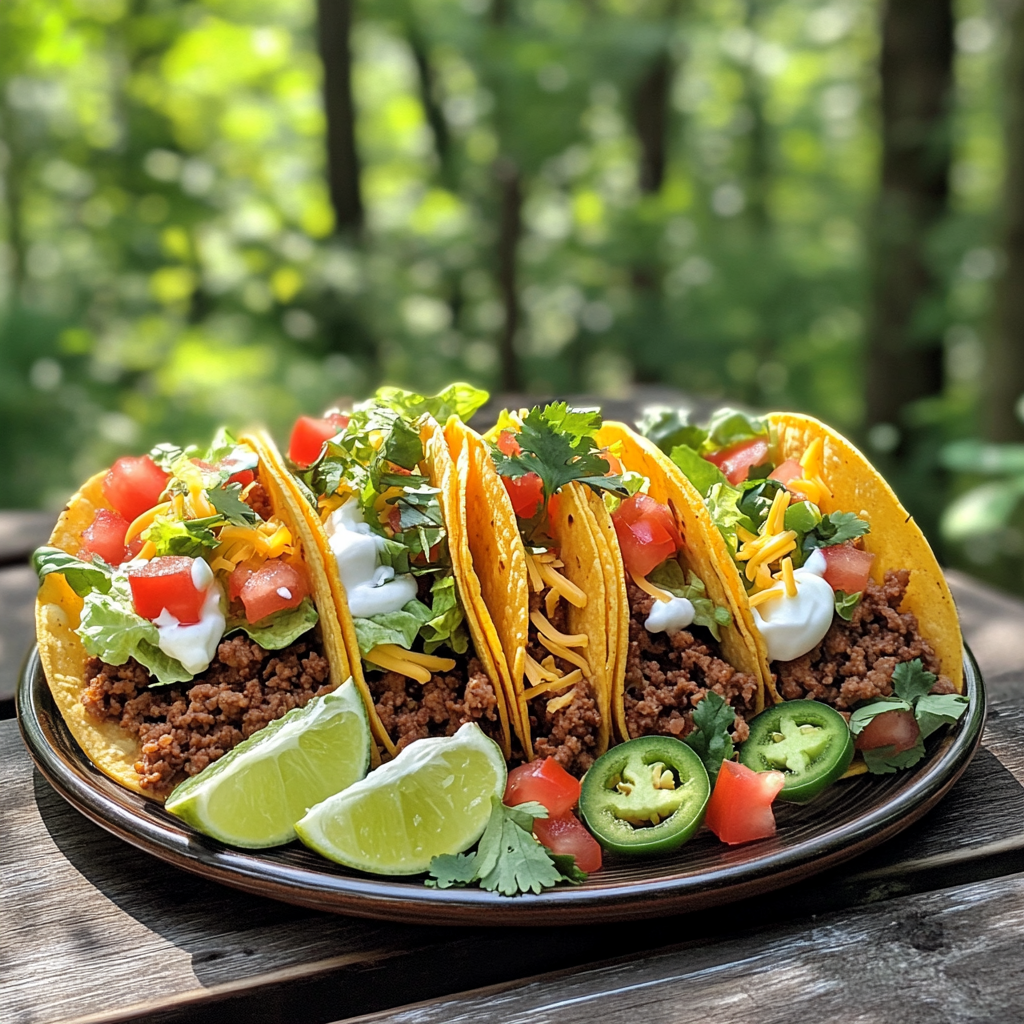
x: 855, y: 660
x: 411, y: 711
x: 568, y: 734
x: 259, y: 501
x: 185, y: 727
x: 667, y: 675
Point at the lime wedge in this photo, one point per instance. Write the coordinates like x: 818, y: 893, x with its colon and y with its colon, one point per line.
x: 434, y: 798
x: 255, y: 793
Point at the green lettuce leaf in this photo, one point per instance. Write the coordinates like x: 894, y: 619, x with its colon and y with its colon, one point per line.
x: 669, y: 576
x: 278, y: 630
x: 183, y: 536
x: 701, y: 473
x: 458, y: 399
x: 668, y: 427
x: 401, y: 627
x: 82, y: 577
x: 721, y: 504
x: 730, y: 426
x: 446, y: 625
x: 846, y: 603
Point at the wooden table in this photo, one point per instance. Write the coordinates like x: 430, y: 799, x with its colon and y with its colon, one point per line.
x: 926, y: 928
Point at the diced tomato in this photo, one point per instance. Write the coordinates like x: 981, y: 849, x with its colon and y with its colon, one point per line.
x: 614, y: 464
x: 736, y: 460
x: 847, y: 568
x: 275, y: 585
x: 545, y: 781
x: 244, y: 477
x: 239, y: 576
x: 308, y: 437
x: 104, y: 536
x: 339, y: 419
x: 526, y: 492
x: 166, y: 582
x: 566, y: 834
x: 786, y: 471
x: 134, y: 547
x: 507, y: 443
x: 134, y: 485
x: 897, y: 729
x: 395, y: 518
x: 647, y: 533
x: 740, y: 808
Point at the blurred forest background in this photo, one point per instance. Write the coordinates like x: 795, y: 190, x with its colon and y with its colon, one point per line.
x: 217, y: 210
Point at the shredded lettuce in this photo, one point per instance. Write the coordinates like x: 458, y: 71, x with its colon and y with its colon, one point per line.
x: 189, y: 537
x: 446, y: 626
x: 668, y: 427
x: 401, y: 627
x: 701, y: 473
x: 279, y: 630
x: 82, y: 577
x: 669, y: 576
x: 730, y: 426
x: 457, y: 399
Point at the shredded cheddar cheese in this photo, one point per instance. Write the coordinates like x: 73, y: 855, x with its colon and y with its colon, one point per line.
x: 148, y: 550
x: 420, y: 667
x: 538, y: 673
x: 565, y: 639
x: 145, y: 521
x: 551, y: 599
x: 535, y: 579
x: 565, y: 652
x: 788, y: 578
x: 765, y: 595
x: 649, y: 588
x: 552, y: 685
x: 557, y: 703
x: 565, y: 588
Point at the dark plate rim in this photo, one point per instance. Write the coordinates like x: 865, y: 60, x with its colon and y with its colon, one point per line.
x: 152, y: 829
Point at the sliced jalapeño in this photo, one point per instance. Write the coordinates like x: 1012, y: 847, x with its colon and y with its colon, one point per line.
x: 645, y: 796
x: 806, y: 740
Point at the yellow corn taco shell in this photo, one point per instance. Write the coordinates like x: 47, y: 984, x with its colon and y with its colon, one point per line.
x: 895, y: 539
x: 700, y: 554
x: 442, y: 474
x: 581, y: 529
x: 64, y: 658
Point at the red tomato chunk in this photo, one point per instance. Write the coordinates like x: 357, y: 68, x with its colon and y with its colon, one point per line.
x: 647, y: 533
x: 526, y: 492
x: 105, y: 537
x: 740, y: 808
x: 507, y: 443
x: 847, y: 568
x: 786, y: 471
x: 736, y: 460
x: 545, y: 781
x: 275, y: 585
x: 566, y: 834
x: 166, y: 583
x: 134, y: 485
x: 308, y: 437
x: 897, y: 729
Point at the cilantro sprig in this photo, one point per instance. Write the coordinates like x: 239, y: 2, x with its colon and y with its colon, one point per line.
x: 557, y: 443
x: 508, y: 859
x: 912, y: 685
x: 711, y: 739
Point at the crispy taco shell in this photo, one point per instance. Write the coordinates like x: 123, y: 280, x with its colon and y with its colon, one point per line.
x: 442, y: 473
x: 703, y: 547
x: 582, y: 530
x: 58, y: 609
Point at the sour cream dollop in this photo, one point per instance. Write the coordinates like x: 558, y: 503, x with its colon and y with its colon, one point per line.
x: 372, y: 588
x: 792, y: 626
x: 670, y: 616
x: 195, y: 644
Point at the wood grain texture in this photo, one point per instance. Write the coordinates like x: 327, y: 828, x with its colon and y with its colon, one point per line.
x: 75, y: 897
x: 948, y: 956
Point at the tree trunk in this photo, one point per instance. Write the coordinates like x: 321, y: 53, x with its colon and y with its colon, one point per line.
x: 650, y: 117
x: 758, y: 160
x: 1006, y: 354
x: 12, y: 192
x: 904, y: 352
x: 429, y: 99
x: 509, y: 231
x: 334, y: 19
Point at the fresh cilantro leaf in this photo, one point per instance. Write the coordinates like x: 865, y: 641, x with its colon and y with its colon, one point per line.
x: 701, y: 473
x: 861, y: 718
x: 83, y: 577
x: 668, y: 427
x: 557, y: 444
x: 934, y: 710
x: 508, y: 859
x: 183, y: 536
x: 911, y: 681
x: 669, y: 576
x: 730, y: 426
x: 710, y: 739
x: 846, y: 603
x: 884, y: 760
x: 452, y: 869
x: 279, y: 629
x: 803, y: 517
x: 402, y: 446
x: 566, y: 864
x: 458, y: 399
x: 227, y: 502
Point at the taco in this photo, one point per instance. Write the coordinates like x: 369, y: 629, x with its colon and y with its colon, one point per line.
x: 829, y: 574
x: 679, y: 638
x: 182, y: 607
x: 382, y: 498
x: 542, y: 542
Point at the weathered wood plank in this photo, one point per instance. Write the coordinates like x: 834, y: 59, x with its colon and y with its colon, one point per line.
x: 18, y: 586
x: 949, y: 956
x: 74, y: 896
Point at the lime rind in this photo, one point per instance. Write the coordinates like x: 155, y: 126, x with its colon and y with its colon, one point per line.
x: 254, y: 794
x: 433, y: 798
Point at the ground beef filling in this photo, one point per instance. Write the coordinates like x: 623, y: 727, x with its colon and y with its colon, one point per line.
x: 668, y: 674
x: 259, y: 501
x: 185, y: 727
x: 569, y: 735
x: 855, y: 660
x: 413, y: 711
